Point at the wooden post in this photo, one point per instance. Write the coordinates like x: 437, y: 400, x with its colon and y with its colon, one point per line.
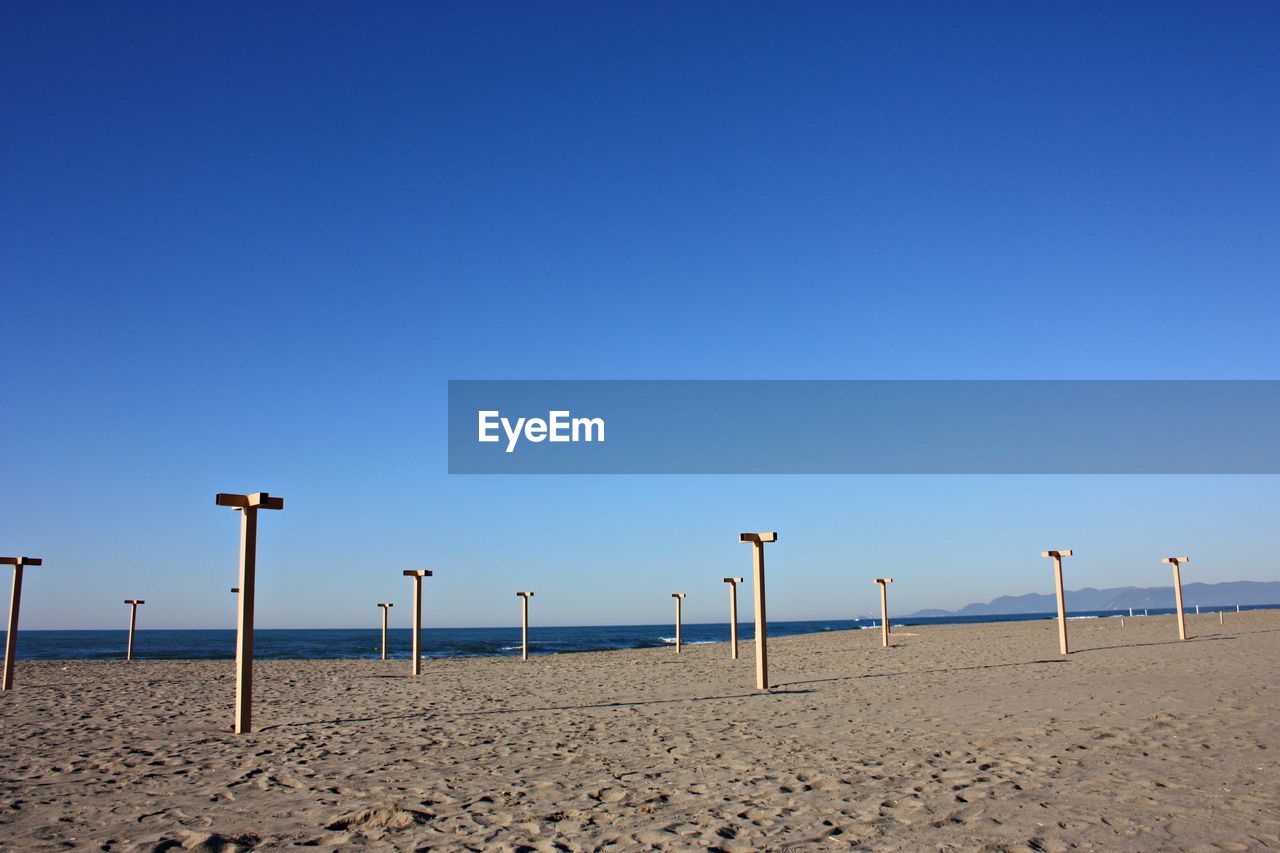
x: 384, y: 605
x: 679, y: 597
x: 15, y: 604
x: 133, y: 623
x: 1219, y: 617
x: 524, y: 624
x: 884, y: 610
x: 248, y: 506
x: 1062, y: 599
x: 733, y: 615
x: 1177, y: 562
x: 417, y: 575
x: 757, y: 541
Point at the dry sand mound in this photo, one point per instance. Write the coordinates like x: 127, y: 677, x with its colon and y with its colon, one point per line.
x: 384, y: 818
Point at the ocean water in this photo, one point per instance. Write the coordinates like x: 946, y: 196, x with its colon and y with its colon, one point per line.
x: 324, y: 643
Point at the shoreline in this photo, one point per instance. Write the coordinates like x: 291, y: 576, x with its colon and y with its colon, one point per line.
x: 156, y: 644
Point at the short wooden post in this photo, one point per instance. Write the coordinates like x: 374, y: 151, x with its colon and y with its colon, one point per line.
x: 1177, y: 562
x: 247, y: 506
x: 133, y: 623
x: 757, y: 541
x: 384, y: 605
x: 15, y: 604
x: 733, y: 615
x: 1219, y: 617
x: 1062, y: 599
x: 524, y: 624
x: 884, y: 610
x: 417, y: 575
x: 679, y: 597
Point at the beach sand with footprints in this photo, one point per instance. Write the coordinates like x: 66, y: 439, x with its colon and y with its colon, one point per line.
x: 972, y: 737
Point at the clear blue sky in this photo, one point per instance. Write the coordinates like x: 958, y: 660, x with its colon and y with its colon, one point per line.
x: 244, y: 247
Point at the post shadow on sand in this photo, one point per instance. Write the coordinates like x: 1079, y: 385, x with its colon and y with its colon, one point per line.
x: 1157, y: 643
x: 776, y: 691
x: 921, y: 671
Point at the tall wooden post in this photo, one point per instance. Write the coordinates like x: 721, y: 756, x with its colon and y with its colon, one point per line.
x: 524, y: 624
x: 679, y: 597
x: 15, y: 604
x: 757, y: 541
x: 1177, y: 562
x: 1062, y: 599
x: 248, y: 506
x: 884, y: 610
x: 133, y: 623
x: 733, y: 615
x: 384, y: 605
x: 417, y: 575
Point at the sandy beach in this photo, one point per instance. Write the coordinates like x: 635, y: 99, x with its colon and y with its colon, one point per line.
x: 970, y: 737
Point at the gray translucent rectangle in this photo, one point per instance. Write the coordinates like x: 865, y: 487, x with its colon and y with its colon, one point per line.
x: 871, y: 427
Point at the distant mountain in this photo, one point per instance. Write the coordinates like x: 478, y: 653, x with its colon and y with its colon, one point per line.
x: 1226, y: 594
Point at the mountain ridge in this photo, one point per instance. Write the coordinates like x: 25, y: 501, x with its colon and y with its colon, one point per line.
x: 1224, y: 594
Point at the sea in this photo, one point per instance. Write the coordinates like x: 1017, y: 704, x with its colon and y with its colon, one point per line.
x: 365, y: 643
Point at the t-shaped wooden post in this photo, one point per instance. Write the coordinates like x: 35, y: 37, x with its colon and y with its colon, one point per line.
x: 133, y: 623
x: 384, y: 605
x: 733, y: 615
x: 757, y: 541
x: 248, y: 506
x: 524, y: 624
x: 884, y: 610
x: 1177, y: 562
x: 417, y: 575
x: 1062, y: 600
x: 15, y: 602
x: 679, y: 597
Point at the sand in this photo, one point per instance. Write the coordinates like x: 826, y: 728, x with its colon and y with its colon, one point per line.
x: 968, y: 737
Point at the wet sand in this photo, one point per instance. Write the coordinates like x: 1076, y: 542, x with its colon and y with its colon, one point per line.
x: 971, y: 737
